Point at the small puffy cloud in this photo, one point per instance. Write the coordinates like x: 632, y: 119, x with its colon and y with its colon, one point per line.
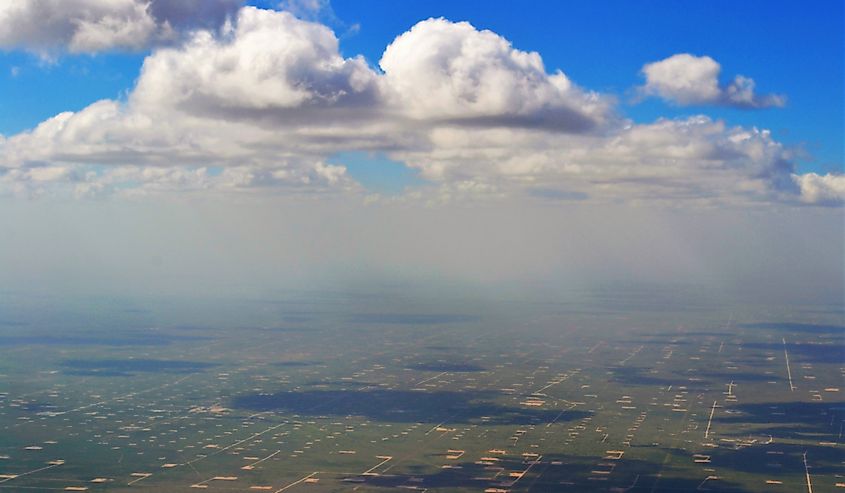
x: 448, y: 71
x: 686, y: 79
x: 47, y: 27
x: 827, y: 189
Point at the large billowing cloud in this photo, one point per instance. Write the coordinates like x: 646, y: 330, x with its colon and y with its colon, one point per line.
x: 453, y: 73
x: 267, y: 63
x: 266, y: 100
x: 687, y: 79
x: 90, y: 26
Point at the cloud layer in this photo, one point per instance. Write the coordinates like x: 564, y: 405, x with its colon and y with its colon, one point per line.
x: 686, y: 79
x: 267, y: 99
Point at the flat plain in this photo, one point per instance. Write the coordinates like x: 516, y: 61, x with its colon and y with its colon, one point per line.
x: 617, y: 393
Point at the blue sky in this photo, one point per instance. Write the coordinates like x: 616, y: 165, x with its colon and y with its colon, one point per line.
x: 790, y: 48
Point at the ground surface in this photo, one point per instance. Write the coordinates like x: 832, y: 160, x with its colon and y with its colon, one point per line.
x: 337, y: 393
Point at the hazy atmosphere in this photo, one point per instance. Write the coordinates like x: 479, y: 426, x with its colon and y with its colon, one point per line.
x: 250, y: 246
x: 314, y: 245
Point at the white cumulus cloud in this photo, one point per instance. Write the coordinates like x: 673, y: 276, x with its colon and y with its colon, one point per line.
x: 267, y: 60
x: 827, y: 189
x: 686, y: 79
x: 449, y: 71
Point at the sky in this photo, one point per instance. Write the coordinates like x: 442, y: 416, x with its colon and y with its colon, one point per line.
x: 222, y: 145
